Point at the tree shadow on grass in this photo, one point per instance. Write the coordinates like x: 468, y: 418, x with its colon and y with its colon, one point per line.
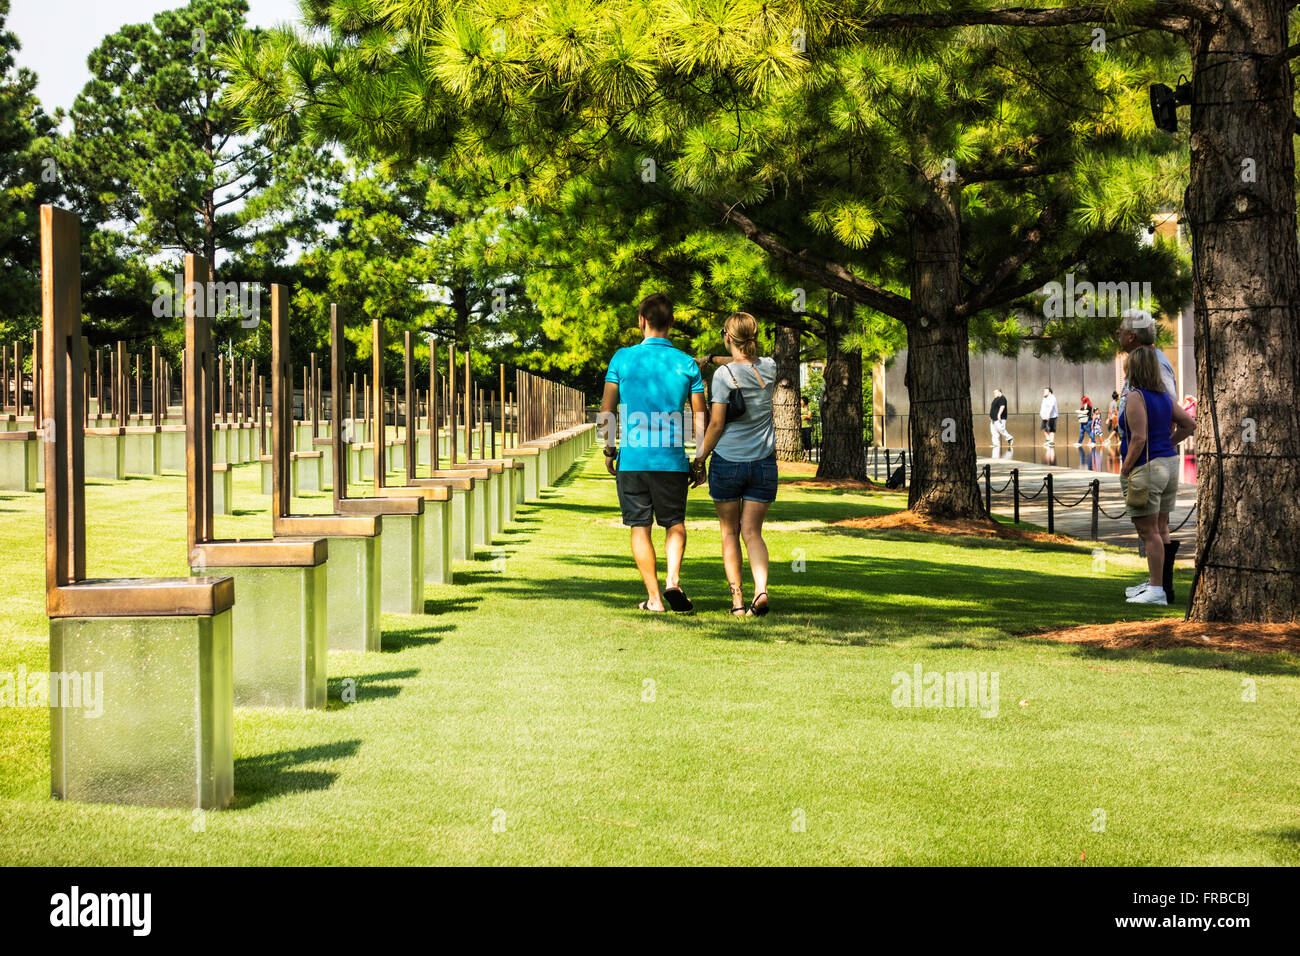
x: 959, y: 540
x: 1282, y: 665
x: 1291, y: 835
x: 701, y: 509
x: 271, y: 775
x: 858, y: 601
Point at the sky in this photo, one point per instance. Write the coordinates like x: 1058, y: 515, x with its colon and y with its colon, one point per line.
x: 58, y: 35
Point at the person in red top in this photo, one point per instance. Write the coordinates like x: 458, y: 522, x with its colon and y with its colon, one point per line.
x: 1085, y: 419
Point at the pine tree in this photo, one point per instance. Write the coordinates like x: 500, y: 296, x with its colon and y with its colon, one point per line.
x: 1241, y: 207
x: 837, y: 157
x: 27, y: 179
x: 154, y: 145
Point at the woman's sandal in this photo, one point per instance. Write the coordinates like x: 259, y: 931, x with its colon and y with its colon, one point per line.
x: 754, y: 609
x: 741, y: 610
x: 645, y: 606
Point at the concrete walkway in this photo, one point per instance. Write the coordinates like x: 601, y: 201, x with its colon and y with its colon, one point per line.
x: 1068, y: 485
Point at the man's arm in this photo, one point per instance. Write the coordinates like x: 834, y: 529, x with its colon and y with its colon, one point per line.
x: 703, y: 430
x: 700, y: 410
x: 1184, y: 425
x: 607, y: 422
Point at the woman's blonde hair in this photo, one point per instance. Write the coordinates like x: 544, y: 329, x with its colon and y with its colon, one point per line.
x: 1143, y: 369
x: 743, y: 329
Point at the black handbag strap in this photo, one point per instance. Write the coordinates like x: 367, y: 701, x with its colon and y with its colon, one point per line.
x: 752, y: 368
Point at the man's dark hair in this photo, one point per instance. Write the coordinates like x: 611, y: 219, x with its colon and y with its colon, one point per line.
x: 657, y: 310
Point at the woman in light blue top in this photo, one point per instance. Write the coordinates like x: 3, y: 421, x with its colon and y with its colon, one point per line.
x: 742, y: 477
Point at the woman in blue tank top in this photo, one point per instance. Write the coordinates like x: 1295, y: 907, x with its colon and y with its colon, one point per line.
x: 1151, y: 427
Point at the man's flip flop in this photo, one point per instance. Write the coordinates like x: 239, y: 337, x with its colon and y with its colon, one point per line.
x: 644, y: 606
x: 678, y: 600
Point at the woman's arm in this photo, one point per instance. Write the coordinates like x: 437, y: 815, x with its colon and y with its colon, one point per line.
x: 717, y: 422
x: 1135, y: 414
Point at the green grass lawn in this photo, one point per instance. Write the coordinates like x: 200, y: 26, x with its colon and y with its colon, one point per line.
x: 533, y: 716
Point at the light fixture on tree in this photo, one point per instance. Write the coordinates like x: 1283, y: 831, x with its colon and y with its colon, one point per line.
x: 1165, y: 103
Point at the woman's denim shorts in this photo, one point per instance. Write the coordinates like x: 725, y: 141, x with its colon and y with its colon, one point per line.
x: 750, y: 480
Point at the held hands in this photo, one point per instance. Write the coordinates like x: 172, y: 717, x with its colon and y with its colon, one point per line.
x: 611, y: 465
x: 698, y: 474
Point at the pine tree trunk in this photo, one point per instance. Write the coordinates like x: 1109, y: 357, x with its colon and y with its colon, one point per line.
x: 1244, y: 233
x: 785, y: 397
x: 938, y: 371
x: 842, y: 454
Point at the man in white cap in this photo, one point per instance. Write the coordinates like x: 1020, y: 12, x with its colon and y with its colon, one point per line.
x: 1136, y: 328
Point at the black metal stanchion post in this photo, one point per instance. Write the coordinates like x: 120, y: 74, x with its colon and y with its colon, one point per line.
x: 1096, y: 504
x: 1015, y: 494
x: 1051, y: 508
x: 988, y: 489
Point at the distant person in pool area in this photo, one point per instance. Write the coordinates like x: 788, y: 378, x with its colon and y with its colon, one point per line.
x: 1112, y: 418
x: 998, y: 420
x: 1084, y: 416
x: 1048, y: 412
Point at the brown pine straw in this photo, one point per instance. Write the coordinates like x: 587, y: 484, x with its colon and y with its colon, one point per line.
x: 852, y: 484
x: 910, y: 521
x: 1172, y: 633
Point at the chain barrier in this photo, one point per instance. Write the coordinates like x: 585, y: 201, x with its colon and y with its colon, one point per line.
x: 1037, y: 494
x: 1013, y: 479
x: 1058, y: 500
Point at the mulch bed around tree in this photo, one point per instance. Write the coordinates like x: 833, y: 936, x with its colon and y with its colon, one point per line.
x: 852, y: 484
x: 1148, y: 635
x: 910, y: 521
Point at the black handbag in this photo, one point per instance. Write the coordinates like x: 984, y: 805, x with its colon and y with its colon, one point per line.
x: 735, y: 400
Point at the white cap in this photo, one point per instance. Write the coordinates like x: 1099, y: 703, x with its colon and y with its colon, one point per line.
x: 1134, y: 319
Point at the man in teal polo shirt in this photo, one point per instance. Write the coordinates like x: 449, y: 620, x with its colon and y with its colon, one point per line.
x: 647, y: 387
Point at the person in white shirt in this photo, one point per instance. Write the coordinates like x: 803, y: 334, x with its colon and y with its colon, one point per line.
x: 1048, y: 412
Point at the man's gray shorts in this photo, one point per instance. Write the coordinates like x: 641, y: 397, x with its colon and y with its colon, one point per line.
x: 657, y: 495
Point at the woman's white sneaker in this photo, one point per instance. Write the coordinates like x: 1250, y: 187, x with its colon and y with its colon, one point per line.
x: 1149, y: 595
x: 1129, y: 592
